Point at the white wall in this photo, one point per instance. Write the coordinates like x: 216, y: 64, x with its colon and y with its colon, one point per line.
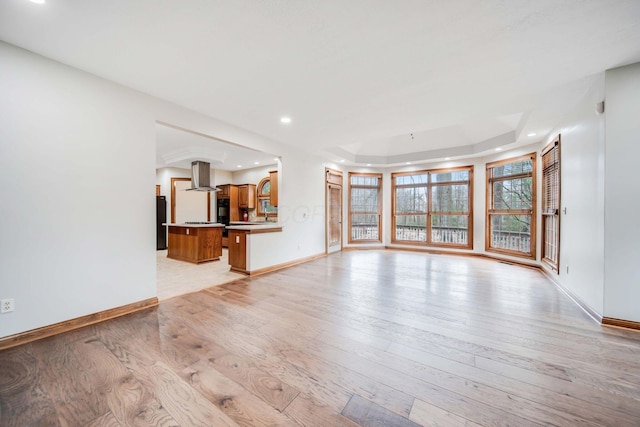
x: 221, y: 177
x: 77, y: 171
x: 582, y: 194
x: 77, y: 167
x: 301, y: 212
x: 622, y: 189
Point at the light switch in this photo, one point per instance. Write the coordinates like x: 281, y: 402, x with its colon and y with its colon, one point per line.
x: 237, y: 239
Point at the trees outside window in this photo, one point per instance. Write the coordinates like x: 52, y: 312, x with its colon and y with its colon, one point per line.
x: 433, y: 207
x: 365, y: 209
x: 511, y: 202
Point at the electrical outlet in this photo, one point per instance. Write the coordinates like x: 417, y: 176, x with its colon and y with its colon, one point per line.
x: 7, y: 305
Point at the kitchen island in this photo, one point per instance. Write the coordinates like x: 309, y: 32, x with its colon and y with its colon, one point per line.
x: 195, y: 242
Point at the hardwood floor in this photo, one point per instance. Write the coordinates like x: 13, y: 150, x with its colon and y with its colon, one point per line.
x: 359, y: 338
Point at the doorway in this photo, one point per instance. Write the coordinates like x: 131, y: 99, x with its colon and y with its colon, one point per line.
x: 333, y: 210
x: 188, y: 205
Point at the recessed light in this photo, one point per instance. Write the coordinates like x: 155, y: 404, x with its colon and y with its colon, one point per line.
x: 276, y: 159
x: 368, y: 164
x: 447, y: 158
x: 407, y: 163
x: 285, y: 119
x: 342, y: 161
x: 499, y: 149
x: 239, y: 166
x: 256, y: 163
x: 37, y: 1
x: 531, y: 134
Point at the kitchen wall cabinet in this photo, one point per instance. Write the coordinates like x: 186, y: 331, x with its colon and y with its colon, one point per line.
x: 224, y: 191
x: 273, y: 196
x: 247, y: 196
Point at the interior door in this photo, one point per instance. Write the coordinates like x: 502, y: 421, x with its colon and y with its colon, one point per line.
x: 334, y: 218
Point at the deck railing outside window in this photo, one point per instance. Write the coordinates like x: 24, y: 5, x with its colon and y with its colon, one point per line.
x: 433, y: 207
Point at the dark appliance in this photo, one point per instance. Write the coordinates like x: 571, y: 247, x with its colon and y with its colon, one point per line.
x: 223, y: 215
x: 161, y: 218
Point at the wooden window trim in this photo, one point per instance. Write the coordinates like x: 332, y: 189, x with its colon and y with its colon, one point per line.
x: 531, y: 212
x: 428, y: 213
x: 379, y: 213
x: 260, y: 196
x: 555, y: 266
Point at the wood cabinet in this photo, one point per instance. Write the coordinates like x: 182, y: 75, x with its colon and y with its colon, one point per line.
x: 247, y: 196
x: 195, y: 244
x: 238, y: 250
x: 230, y: 192
x: 273, y: 196
x: 224, y: 191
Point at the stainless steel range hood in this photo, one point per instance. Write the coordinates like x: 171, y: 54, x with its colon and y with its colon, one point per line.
x: 201, y: 177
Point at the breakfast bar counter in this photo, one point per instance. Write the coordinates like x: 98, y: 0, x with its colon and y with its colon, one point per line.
x: 241, y: 244
x: 195, y: 242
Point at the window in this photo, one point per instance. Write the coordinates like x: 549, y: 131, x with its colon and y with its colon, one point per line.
x: 511, y: 201
x: 264, y: 199
x: 551, y: 204
x: 364, y: 207
x: 433, y: 207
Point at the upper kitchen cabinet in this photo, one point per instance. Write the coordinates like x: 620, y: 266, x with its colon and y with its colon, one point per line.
x: 273, y: 195
x: 247, y: 196
x: 224, y: 191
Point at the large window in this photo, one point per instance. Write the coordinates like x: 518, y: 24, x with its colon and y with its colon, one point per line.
x: 433, y: 207
x: 551, y: 204
x: 511, y: 201
x: 365, y: 207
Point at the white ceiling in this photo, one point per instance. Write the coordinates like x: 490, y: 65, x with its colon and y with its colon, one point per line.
x: 178, y: 148
x: 370, y: 81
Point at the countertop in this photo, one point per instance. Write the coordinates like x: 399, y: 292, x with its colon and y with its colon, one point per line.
x: 255, y: 226
x: 253, y: 223
x: 210, y: 225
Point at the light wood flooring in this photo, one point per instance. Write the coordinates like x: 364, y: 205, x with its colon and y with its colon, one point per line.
x: 359, y: 338
x: 175, y: 277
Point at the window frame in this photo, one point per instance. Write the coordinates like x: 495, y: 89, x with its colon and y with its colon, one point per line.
x: 351, y: 212
x: 429, y: 210
x: 489, y: 210
x: 548, y: 212
x: 261, y: 195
